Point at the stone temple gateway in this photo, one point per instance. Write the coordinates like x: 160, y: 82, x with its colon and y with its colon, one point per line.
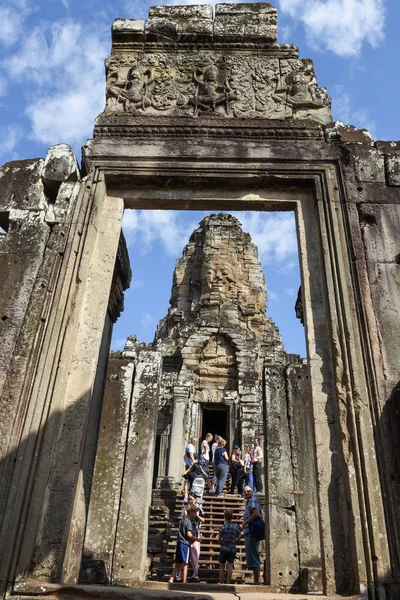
x: 219, y: 363
x: 202, y: 111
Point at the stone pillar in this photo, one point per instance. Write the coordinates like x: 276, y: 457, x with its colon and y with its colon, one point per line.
x: 195, y: 421
x: 177, y: 445
x: 305, y: 489
x: 163, y: 454
x: 231, y: 422
x: 108, y: 474
x: 130, y: 552
x: 283, y: 548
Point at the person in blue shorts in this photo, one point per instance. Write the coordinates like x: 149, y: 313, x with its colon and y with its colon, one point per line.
x: 228, y: 534
x: 185, y: 538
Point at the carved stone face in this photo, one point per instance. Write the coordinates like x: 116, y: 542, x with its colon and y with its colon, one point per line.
x: 133, y: 75
x: 211, y: 75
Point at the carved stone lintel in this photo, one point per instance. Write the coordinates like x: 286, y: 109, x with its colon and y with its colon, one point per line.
x: 162, y: 77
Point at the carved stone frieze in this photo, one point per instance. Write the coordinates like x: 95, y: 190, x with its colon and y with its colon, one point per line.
x: 181, y: 62
x: 225, y: 85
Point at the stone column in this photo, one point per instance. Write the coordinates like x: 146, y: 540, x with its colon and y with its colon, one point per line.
x: 196, y: 421
x: 305, y: 491
x: 108, y: 474
x: 163, y: 454
x: 231, y: 422
x: 283, y: 547
x: 177, y: 446
x: 130, y: 552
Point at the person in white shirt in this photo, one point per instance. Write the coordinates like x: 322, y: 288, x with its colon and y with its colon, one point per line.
x: 190, y: 452
x: 214, y: 446
x: 205, y: 447
x: 257, y: 460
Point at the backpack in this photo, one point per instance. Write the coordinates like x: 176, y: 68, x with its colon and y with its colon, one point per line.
x: 257, y: 529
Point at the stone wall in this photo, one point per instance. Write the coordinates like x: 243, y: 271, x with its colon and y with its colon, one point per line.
x: 48, y: 440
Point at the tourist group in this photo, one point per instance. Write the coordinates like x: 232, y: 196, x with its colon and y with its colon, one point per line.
x: 246, y: 477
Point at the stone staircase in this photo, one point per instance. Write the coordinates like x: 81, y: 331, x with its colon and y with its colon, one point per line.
x: 214, y: 517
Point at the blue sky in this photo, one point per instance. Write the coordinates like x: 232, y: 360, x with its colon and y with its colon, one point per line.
x: 52, y: 86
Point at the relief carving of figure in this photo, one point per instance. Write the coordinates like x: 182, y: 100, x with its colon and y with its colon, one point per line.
x: 135, y: 92
x: 198, y: 83
x: 115, y: 91
x: 209, y: 92
x: 303, y: 91
x: 131, y: 94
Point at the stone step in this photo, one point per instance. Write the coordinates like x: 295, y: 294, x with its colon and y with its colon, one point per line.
x: 208, y: 572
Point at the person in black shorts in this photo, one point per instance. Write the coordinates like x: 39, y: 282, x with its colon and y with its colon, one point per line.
x: 228, y: 534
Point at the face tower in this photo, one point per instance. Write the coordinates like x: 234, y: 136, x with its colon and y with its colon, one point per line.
x: 215, y: 341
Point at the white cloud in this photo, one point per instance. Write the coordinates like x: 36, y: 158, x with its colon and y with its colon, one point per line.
x: 285, y: 34
x: 63, y: 63
x: 10, y: 135
x: 3, y: 86
x: 342, y: 111
x: 272, y: 295
x: 146, y: 227
x: 147, y: 320
x: 341, y: 26
x: 290, y: 292
x: 136, y: 284
x: 118, y: 344
x: 273, y: 233
x: 12, y: 16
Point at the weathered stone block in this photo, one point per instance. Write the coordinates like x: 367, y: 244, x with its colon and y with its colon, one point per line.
x: 173, y: 22
x: 131, y: 537
x: 348, y: 134
x: 380, y: 225
x: 392, y: 164
x: 391, y: 151
x: 128, y: 25
x: 60, y: 165
x: 195, y: 11
x: 369, y: 164
x: 128, y: 31
x: 246, y: 21
x: 21, y: 186
x: 108, y: 473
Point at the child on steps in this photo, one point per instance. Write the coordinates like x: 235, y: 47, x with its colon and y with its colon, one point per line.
x: 228, y: 534
x: 185, y: 538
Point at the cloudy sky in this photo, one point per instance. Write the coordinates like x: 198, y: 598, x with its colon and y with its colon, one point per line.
x: 52, y: 87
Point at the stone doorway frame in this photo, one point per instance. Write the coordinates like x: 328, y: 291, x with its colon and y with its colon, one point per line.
x: 221, y: 407
x: 331, y: 301
x: 313, y: 190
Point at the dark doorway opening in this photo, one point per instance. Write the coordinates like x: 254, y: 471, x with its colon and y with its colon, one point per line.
x: 157, y: 460
x: 215, y: 420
